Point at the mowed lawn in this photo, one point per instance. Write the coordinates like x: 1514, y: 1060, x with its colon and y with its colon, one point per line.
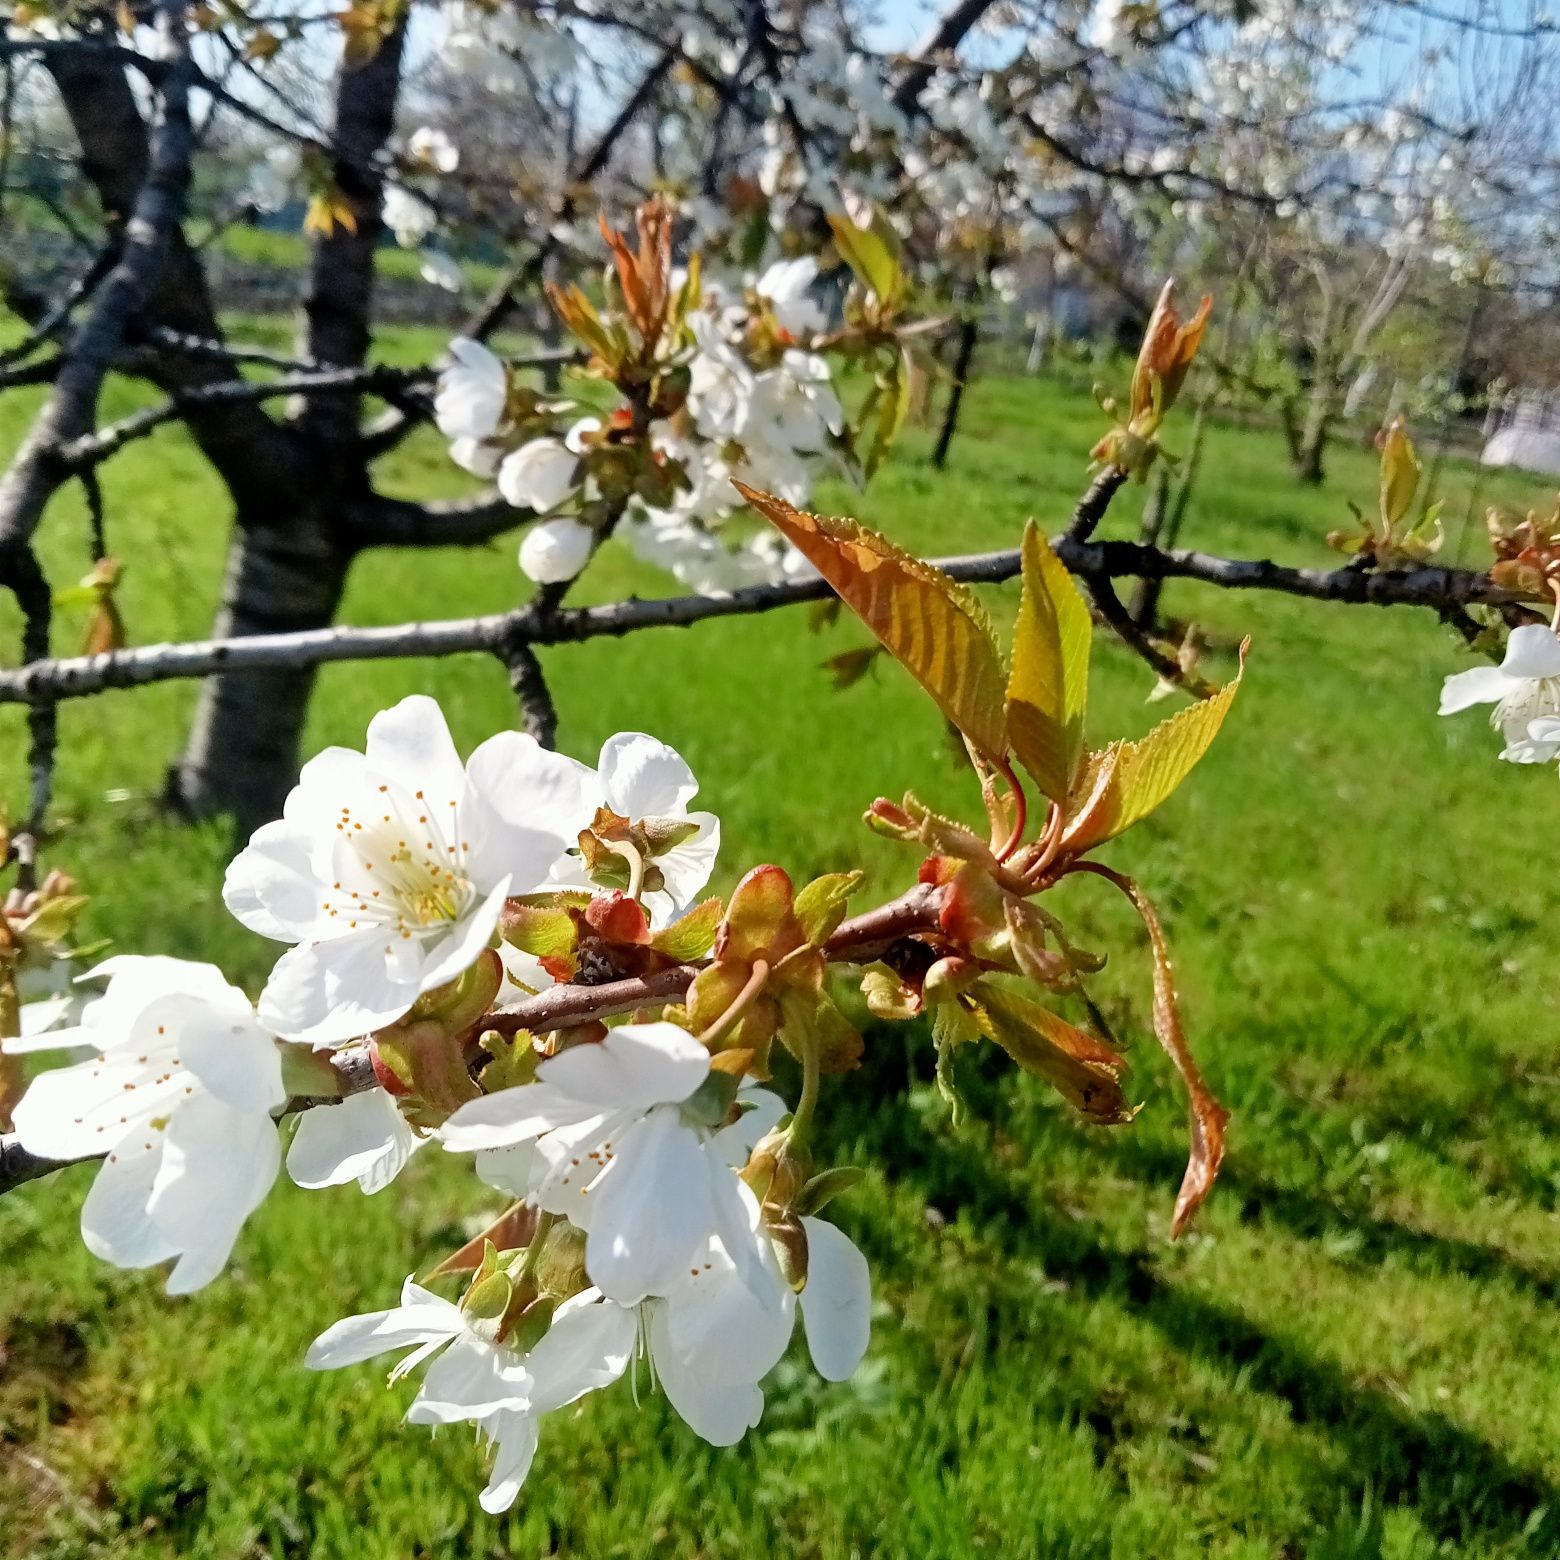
x: 1355, y: 1353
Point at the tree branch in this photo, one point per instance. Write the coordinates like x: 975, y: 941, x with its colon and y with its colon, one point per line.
x: 79, y: 676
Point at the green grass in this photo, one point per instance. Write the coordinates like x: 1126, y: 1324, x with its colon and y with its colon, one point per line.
x: 1355, y: 1354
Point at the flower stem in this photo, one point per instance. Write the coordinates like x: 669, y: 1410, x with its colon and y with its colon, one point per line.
x: 812, y: 1072
x: 636, y: 865
x: 739, y: 1004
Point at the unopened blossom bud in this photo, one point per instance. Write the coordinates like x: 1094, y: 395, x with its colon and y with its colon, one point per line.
x: 1165, y: 358
x: 560, y: 1268
x: 539, y: 475
x: 777, y: 1170
x: 556, y: 550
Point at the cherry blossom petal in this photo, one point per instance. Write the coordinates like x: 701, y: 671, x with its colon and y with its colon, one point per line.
x: 115, y: 1223
x: 410, y: 743
x: 1478, y: 685
x: 587, y: 1347
x: 644, y: 778
x: 470, y: 1380
x: 635, y: 1066
x: 523, y: 807
x: 357, y: 1338
x: 1532, y: 652
x: 363, y: 1139
x: 836, y: 1301
x: 721, y: 1411
x: 218, y: 1163
x: 653, y: 1209
x: 271, y: 885
x: 513, y: 1116
x: 515, y: 1436
x: 326, y: 993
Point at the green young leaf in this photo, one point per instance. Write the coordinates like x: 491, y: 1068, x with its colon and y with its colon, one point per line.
x: 1083, y: 1070
x: 868, y: 252
x: 514, y: 1060
x: 931, y: 625
x: 809, y: 1016
x: 820, y: 906
x: 1128, y: 780
x: 1399, y: 473
x: 1049, y: 687
x: 693, y: 936
x: 892, y: 406
x: 824, y: 1187
x: 543, y: 931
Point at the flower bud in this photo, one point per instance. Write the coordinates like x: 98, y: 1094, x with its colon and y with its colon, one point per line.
x: 556, y: 550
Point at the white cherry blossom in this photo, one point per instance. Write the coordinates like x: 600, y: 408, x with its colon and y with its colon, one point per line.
x: 434, y: 148
x: 408, y: 216
x: 553, y: 551
x: 177, y: 1093
x: 388, y: 868
x: 472, y: 394
x: 645, y: 781
x: 786, y: 287
x: 620, y: 1157
x: 1523, y: 688
x: 473, y: 1379
x: 439, y: 269
x: 540, y: 475
x: 719, y: 1330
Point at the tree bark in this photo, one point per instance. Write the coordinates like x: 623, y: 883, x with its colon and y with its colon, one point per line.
x: 1309, y: 454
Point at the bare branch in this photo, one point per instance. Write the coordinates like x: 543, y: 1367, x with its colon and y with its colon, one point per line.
x: 76, y: 677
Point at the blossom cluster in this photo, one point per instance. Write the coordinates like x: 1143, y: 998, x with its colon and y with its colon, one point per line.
x: 753, y: 401
x: 661, y: 1206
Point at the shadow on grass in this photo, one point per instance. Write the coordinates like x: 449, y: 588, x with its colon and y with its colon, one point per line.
x: 1460, y: 1487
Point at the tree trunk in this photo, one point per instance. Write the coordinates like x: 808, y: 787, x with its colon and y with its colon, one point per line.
x: 1308, y: 456
x: 968, y: 333
x: 242, y: 755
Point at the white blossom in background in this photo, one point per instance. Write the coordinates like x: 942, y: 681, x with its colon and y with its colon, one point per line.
x: 539, y: 475
x: 481, y: 457
x: 472, y: 394
x: 409, y: 217
x: 434, y: 149
x: 362, y: 1138
x: 474, y: 1380
x: 619, y: 1155
x: 441, y: 270
x: 1523, y: 688
x: 176, y: 1092
x: 647, y: 782
x: 720, y: 384
x: 554, y: 551
x: 786, y: 287
x: 271, y: 180
x: 388, y: 868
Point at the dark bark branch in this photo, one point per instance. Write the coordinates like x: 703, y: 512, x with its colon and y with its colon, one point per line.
x: 1437, y: 589
x: 1111, y: 607
x: 248, y: 450
x: 374, y: 379
x: 337, y: 307
x: 36, y: 471
x: 1095, y: 501
x: 946, y: 34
